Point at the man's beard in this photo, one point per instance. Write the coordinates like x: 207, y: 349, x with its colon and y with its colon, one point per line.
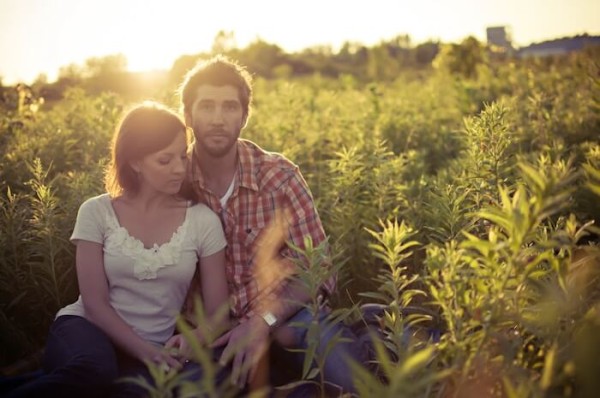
x: 216, y: 151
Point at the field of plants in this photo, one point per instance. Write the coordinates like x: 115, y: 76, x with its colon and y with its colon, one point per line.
x: 465, y: 203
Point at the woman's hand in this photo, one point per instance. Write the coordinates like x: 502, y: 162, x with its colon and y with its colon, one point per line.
x: 181, y: 346
x: 159, y: 356
x: 178, y: 347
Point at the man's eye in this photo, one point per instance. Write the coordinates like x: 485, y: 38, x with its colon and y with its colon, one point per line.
x: 164, y: 162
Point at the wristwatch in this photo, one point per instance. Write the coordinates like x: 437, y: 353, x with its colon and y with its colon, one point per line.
x: 269, y: 318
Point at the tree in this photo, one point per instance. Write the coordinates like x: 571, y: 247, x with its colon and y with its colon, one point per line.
x: 105, y: 66
x: 181, y: 66
x: 426, y: 52
x: 71, y: 72
x: 380, y: 64
x: 224, y: 42
x: 262, y: 57
x: 462, y: 59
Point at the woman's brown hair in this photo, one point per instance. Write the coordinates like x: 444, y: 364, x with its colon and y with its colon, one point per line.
x: 144, y: 129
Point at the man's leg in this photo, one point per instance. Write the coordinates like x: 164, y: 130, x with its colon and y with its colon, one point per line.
x: 79, y: 361
x: 336, y: 369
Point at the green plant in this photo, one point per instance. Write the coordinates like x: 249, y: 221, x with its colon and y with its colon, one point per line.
x: 318, y: 268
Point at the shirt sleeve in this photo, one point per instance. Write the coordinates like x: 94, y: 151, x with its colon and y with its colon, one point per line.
x: 305, y: 222
x: 211, y: 236
x: 89, y: 225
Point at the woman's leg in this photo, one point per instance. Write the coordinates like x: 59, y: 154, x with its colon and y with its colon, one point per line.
x: 130, y: 368
x: 191, y: 373
x: 79, y: 361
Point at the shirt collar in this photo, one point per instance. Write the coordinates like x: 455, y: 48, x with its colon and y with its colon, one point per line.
x: 248, y: 165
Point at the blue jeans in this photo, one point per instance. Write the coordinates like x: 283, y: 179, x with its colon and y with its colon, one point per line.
x: 81, y: 361
x: 286, y: 365
x: 336, y: 369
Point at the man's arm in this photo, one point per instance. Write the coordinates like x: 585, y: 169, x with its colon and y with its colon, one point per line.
x: 298, y: 219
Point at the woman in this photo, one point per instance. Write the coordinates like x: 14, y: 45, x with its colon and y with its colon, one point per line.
x: 138, y: 246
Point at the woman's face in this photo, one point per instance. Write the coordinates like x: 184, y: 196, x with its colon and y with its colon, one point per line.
x: 164, y: 171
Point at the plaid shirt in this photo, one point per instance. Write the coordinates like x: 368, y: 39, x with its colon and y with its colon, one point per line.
x: 265, y: 183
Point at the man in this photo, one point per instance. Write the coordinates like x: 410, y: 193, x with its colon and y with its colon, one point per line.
x: 249, y: 187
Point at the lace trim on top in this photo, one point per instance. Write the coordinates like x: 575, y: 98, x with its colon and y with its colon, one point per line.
x: 147, y: 262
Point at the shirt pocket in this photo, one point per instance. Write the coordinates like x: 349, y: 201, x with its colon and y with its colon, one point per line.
x: 245, y: 242
x: 248, y: 237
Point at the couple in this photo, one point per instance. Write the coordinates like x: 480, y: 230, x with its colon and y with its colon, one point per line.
x: 138, y: 247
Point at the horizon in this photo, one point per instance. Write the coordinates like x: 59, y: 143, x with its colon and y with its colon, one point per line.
x: 41, y: 38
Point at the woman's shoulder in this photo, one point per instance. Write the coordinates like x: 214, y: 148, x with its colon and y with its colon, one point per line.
x: 201, y: 210
x: 204, y: 224
x: 98, y: 203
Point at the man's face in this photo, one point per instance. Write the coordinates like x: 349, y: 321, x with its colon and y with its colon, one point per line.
x: 216, y: 116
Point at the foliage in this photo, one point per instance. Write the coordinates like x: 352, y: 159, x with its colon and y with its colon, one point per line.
x: 36, y: 267
x: 493, y: 166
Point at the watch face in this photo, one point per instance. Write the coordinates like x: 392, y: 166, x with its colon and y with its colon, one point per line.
x: 269, y: 318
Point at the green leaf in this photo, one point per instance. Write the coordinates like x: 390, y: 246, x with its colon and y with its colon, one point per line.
x: 416, y: 361
x: 532, y: 175
x: 546, y: 379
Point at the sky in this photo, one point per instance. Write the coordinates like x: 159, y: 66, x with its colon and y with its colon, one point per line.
x: 41, y: 36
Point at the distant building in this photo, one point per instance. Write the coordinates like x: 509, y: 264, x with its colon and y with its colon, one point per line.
x: 559, y: 46
x: 499, y: 36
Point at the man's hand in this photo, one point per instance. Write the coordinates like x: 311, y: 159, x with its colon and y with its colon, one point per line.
x: 246, y: 344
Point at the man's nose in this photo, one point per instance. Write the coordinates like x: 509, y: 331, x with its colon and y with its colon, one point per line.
x: 217, y: 116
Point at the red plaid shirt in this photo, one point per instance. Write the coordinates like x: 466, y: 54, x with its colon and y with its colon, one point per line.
x: 265, y: 182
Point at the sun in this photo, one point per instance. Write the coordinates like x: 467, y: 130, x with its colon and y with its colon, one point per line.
x: 158, y: 51
x: 148, y: 58
x: 152, y: 34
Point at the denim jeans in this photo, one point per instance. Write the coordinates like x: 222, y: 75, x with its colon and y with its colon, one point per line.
x: 337, y: 357
x: 286, y: 363
x: 81, y: 361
